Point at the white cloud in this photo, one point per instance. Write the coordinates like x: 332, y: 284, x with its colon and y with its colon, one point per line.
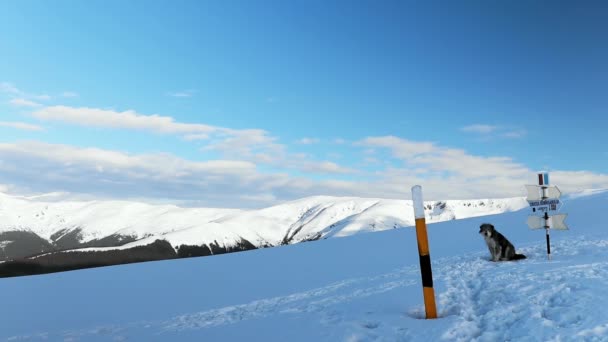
x: 401, y: 148
x: 19, y: 102
x: 249, y: 144
x: 515, y: 134
x: 43, y: 97
x: 460, y: 163
x: 370, y: 161
x: 324, y: 167
x: 9, y: 88
x: 308, y: 141
x: 129, y: 119
x: 254, y: 145
x: 450, y: 173
x: 43, y: 167
x: 21, y: 125
x: 197, y: 136
x: 445, y: 172
x: 52, y: 167
x: 479, y: 128
x: 489, y: 131
x: 234, y: 143
x: 154, y: 165
x: 13, y: 91
x: 257, y: 146
x: 569, y: 181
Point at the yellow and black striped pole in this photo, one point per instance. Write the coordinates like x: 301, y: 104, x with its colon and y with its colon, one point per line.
x: 423, y: 251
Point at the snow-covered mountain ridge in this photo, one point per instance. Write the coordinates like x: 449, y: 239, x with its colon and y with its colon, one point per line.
x: 68, y: 225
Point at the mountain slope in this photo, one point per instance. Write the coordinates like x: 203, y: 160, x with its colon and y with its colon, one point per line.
x: 364, y: 287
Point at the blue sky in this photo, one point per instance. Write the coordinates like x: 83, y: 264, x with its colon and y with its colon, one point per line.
x: 250, y: 103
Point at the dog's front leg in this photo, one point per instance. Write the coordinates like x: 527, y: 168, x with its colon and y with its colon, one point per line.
x: 496, y: 254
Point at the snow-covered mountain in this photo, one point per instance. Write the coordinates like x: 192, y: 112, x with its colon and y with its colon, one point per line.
x: 48, y: 226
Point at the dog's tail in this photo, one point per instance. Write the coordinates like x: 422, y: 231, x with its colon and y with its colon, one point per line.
x: 518, y: 257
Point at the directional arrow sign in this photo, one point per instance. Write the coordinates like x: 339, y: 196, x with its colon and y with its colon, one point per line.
x: 535, y: 222
x: 534, y: 193
x: 557, y: 222
x: 553, y: 192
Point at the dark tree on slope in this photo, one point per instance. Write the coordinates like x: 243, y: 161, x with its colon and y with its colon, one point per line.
x: 65, y: 261
x: 214, y: 248
x: 21, y: 244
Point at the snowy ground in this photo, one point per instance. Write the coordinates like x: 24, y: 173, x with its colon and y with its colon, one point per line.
x: 361, y: 288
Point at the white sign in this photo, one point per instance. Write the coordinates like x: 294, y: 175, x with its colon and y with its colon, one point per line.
x: 535, y: 222
x: 546, y: 202
x: 541, y: 209
x: 557, y: 222
x: 553, y: 192
x: 535, y: 193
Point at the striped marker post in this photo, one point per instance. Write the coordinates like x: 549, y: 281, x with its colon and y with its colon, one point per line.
x: 423, y: 252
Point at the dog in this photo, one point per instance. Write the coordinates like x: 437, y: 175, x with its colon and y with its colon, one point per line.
x: 500, y: 248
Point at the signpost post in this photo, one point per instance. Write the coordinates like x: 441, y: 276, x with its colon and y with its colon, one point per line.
x: 544, y: 198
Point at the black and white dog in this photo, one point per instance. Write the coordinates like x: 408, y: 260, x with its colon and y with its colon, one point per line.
x: 500, y: 248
